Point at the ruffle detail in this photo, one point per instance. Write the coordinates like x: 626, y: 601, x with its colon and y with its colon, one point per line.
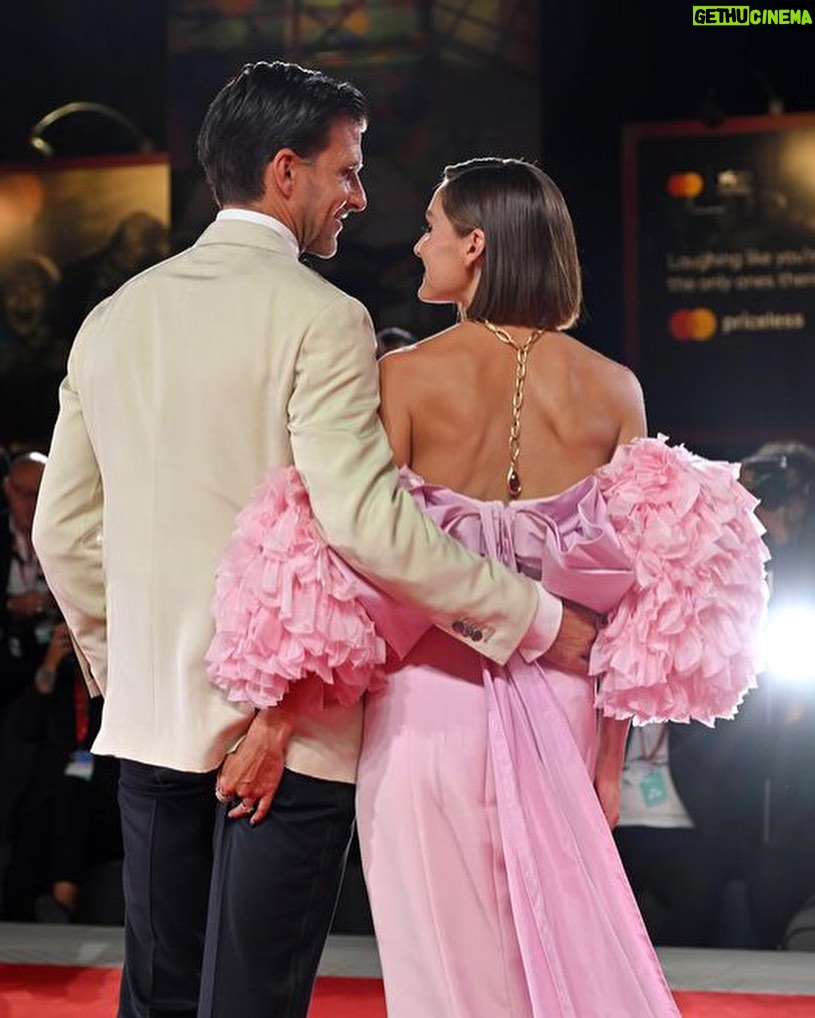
x: 285, y: 610
x: 682, y: 643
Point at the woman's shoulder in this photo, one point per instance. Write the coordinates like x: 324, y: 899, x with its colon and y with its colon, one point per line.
x: 422, y: 354
x: 595, y: 367
x: 605, y: 390
x: 586, y: 356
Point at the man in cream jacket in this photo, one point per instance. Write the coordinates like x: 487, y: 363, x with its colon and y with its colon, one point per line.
x: 183, y: 389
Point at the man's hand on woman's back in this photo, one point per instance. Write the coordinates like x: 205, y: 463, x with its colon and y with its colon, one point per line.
x: 573, y: 643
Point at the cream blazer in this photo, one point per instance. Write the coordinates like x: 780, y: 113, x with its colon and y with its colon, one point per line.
x: 182, y: 390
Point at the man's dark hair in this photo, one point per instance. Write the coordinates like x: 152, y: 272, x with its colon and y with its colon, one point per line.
x: 531, y: 272
x: 263, y: 109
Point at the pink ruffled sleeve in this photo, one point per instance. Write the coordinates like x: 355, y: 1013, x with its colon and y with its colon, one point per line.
x: 285, y: 607
x: 682, y: 643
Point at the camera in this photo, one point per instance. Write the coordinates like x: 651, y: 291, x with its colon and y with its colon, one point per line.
x: 775, y: 477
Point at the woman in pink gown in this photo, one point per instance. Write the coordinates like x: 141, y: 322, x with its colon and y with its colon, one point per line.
x: 485, y: 793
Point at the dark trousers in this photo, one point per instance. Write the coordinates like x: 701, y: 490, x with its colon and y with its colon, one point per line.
x: 679, y: 870
x: 167, y: 824
x: 87, y: 829
x: 274, y: 891
x: 782, y: 879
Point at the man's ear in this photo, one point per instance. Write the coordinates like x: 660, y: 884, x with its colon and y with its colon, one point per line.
x: 279, y: 175
x: 476, y: 245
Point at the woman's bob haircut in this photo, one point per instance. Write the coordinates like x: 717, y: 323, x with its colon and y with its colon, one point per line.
x: 530, y: 273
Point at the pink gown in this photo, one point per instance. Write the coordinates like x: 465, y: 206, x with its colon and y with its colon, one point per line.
x: 495, y: 884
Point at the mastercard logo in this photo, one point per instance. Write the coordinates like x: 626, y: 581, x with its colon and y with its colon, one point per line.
x: 698, y: 324
x: 685, y: 185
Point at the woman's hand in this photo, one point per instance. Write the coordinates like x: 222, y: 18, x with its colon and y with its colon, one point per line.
x: 608, y: 772
x: 253, y: 771
x: 607, y: 784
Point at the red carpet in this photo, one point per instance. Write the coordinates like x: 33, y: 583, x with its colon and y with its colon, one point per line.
x: 744, y: 1005
x: 54, y: 991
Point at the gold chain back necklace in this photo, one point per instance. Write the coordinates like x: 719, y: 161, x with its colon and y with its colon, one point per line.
x: 514, y: 486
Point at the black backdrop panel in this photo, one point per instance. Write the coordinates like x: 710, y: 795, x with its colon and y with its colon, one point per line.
x: 720, y: 276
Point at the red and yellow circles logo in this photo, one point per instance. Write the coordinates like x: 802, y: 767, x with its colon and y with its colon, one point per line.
x: 697, y: 324
x: 685, y: 185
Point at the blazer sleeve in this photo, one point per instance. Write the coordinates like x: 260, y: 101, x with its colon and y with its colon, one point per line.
x: 342, y: 453
x: 67, y: 531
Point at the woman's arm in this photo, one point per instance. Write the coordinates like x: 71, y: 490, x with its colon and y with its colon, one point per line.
x: 613, y: 733
x: 633, y: 423
x: 609, y: 768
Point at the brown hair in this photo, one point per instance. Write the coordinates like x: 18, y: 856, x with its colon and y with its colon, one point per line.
x: 531, y: 272
x: 264, y: 108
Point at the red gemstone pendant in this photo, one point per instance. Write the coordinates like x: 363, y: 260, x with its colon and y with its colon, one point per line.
x: 514, y: 484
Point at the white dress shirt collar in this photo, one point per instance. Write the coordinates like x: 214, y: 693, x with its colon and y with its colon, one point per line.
x: 251, y: 216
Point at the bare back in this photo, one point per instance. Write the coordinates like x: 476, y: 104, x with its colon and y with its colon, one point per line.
x: 447, y: 407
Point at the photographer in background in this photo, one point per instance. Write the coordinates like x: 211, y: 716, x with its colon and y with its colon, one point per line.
x: 669, y: 848
x: 58, y: 811
x: 28, y: 611
x: 69, y: 823
x: 782, y: 876
x: 27, y: 617
x: 718, y: 825
x: 35, y: 763
x: 781, y: 475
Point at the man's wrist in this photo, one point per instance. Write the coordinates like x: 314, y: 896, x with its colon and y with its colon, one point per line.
x: 544, y: 628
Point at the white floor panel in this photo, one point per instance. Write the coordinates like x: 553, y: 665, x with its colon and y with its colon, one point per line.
x: 685, y: 968
x: 739, y: 971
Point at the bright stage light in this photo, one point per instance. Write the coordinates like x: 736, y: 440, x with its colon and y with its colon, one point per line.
x: 788, y: 643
